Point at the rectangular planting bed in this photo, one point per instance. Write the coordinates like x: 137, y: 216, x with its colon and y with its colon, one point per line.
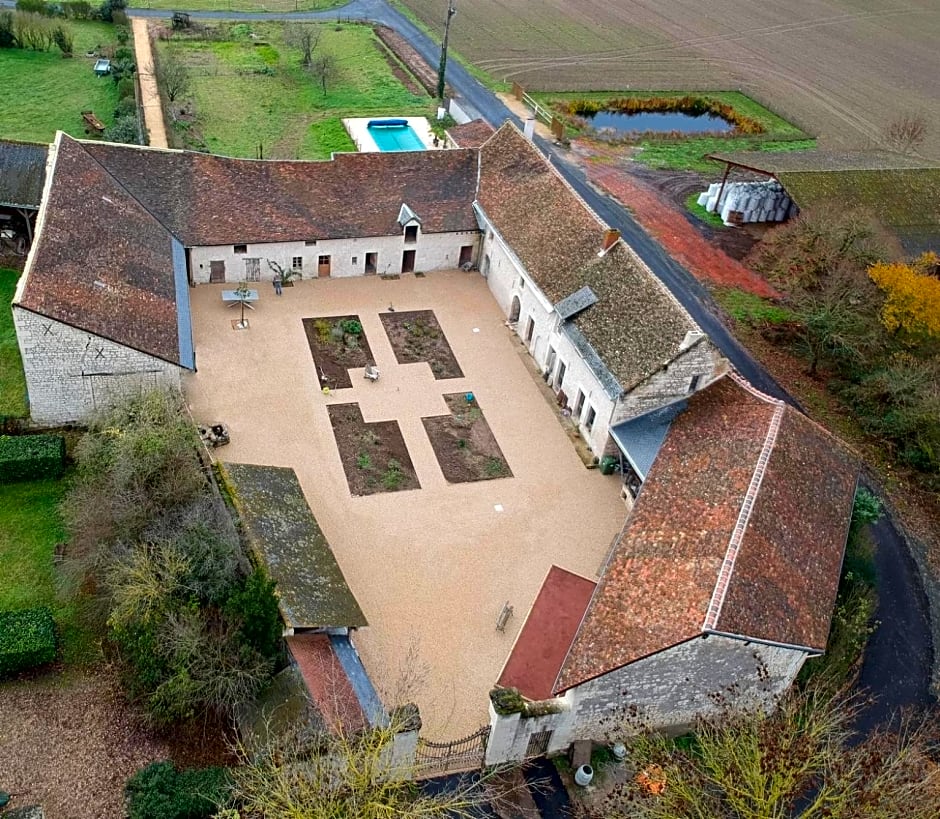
x: 337, y: 344
x: 416, y: 336
x: 374, y: 455
x: 464, y: 444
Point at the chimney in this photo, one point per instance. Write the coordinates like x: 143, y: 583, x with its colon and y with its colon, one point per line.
x: 529, y: 128
x: 611, y: 237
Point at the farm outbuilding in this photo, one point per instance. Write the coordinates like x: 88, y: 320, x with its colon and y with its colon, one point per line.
x: 22, y: 176
x: 902, y: 192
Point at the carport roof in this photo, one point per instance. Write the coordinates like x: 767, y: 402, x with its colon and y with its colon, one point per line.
x: 22, y: 173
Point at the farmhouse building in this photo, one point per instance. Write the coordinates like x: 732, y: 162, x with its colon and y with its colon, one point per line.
x: 123, y: 232
x: 721, y: 584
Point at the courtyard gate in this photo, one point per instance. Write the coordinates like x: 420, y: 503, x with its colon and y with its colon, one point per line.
x: 436, y: 758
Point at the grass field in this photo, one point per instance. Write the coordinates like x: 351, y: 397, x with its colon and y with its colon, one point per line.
x: 30, y: 528
x: 12, y: 380
x: 238, y: 5
x: 840, y: 69
x: 253, y: 92
x: 40, y: 92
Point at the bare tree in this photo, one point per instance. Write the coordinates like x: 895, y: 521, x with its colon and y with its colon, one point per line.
x: 325, y: 69
x: 173, y: 75
x: 906, y: 133
x: 306, y: 38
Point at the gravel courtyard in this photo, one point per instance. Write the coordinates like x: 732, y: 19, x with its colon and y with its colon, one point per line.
x: 431, y: 567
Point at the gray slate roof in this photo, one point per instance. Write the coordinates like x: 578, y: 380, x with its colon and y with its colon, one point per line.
x: 640, y: 438
x: 22, y: 173
x: 286, y: 538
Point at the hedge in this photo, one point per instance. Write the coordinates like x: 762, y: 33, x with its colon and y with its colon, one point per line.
x: 159, y: 791
x: 27, y: 639
x: 31, y: 457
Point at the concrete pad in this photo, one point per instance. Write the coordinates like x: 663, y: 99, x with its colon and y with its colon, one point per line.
x: 431, y: 567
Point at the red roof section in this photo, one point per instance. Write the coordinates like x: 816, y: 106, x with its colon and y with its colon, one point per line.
x: 546, y: 635
x: 327, y: 683
x: 783, y: 576
x: 471, y: 134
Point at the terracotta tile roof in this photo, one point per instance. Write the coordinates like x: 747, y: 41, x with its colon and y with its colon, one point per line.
x: 327, y: 683
x: 664, y: 572
x: 550, y: 626
x: 636, y: 326
x: 101, y: 262
x: 471, y: 134
x: 215, y: 200
x: 22, y: 173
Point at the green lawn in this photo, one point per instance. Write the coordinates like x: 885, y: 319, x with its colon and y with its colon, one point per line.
x: 252, y: 93
x: 30, y: 528
x: 42, y: 92
x: 12, y: 380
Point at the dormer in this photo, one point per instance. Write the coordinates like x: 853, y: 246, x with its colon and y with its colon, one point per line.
x: 410, y: 223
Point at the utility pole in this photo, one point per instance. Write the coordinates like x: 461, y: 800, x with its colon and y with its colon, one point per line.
x: 451, y: 11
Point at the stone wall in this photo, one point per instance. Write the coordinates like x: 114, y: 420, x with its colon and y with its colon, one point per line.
x: 433, y: 251
x: 71, y: 373
x: 689, y: 372
x: 667, y: 691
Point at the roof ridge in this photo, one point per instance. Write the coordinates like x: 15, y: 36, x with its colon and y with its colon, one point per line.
x: 124, y: 187
x: 746, y: 385
x: 744, y: 515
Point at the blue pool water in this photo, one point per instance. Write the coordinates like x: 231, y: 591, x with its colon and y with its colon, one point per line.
x: 651, y: 121
x: 395, y: 137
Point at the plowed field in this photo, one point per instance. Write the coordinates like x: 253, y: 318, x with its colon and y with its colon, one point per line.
x: 840, y: 69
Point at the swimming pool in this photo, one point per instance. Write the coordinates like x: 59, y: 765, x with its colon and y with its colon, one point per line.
x: 395, y: 135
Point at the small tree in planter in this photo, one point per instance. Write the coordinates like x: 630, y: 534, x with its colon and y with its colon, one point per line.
x: 285, y: 277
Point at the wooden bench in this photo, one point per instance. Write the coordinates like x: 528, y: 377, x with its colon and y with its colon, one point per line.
x: 92, y: 122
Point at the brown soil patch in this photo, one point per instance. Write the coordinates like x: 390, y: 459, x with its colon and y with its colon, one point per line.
x: 464, y: 444
x: 416, y: 336
x: 401, y: 74
x: 70, y: 744
x: 670, y: 224
x: 405, y: 52
x: 374, y: 455
x: 335, y: 349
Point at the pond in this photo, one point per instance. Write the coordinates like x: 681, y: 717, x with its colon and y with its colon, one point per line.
x: 665, y: 123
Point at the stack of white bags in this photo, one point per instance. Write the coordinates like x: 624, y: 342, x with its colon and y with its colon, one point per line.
x: 750, y: 201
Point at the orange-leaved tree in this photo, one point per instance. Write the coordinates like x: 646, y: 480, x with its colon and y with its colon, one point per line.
x: 912, y: 295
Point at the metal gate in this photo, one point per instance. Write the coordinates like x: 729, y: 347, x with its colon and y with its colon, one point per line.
x: 435, y: 758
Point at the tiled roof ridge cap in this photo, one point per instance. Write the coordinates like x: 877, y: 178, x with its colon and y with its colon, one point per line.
x: 744, y: 515
x: 746, y: 385
x: 546, y: 158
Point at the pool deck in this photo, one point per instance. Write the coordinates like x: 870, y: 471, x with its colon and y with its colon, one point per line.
x: 358, y: 129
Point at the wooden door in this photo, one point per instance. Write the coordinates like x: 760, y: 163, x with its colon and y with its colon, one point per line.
x: 216, y: 272
x: 323, y: 267
x: 408, y: 261
x: 466, y: 256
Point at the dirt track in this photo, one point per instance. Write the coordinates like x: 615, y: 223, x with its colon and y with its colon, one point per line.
x: 840, y: 69
x: 153, y: 110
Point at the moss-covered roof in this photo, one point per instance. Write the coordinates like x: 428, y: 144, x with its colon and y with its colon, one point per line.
x: 286, y: 538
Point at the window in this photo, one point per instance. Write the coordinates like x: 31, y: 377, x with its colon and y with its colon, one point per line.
x: 297, y: 263
x: 355, y: 260
x: 578, y: 404
x: 521, y: 283
x: 324, y: 260
x: 693, y: 384
x: 240, y: 248
x: 560, y: 375
x: 589, y: 418
x: 310, y: 242
x: 529, y: 329
x: 411, y: 234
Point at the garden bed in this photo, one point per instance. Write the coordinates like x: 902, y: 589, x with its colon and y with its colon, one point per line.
x: 464, y: 444
x: 337, y: 344
x: 416, y: 336
x: 374, y: 455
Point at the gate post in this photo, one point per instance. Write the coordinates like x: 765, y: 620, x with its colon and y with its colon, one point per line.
x: 406, y: 722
